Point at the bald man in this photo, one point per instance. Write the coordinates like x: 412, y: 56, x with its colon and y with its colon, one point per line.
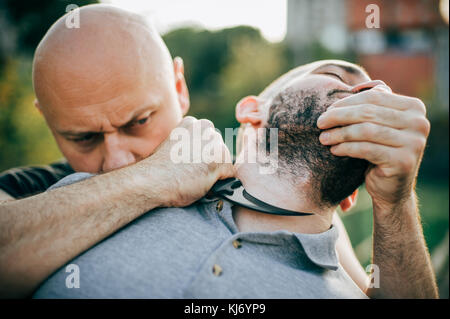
x: 110, y: 94
x: 108, y: 90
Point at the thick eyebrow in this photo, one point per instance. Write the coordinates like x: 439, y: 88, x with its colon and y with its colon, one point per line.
x: 76, y: 134
x: 347, y: 68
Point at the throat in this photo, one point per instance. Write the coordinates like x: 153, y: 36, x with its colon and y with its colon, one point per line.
x: 285, y: 196
x: 248, y: 220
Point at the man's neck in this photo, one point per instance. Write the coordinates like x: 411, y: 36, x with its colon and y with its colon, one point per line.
x: 278, y: 192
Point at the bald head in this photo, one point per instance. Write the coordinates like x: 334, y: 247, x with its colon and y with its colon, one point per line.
x: 108, y: 90
x: 112, y: 50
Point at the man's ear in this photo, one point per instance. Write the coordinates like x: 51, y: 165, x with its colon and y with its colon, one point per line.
x: 180, y: 85
x: 349, y: 202
x: 38, y: 106
x: 248, y: 111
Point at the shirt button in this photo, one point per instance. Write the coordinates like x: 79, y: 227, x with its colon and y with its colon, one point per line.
x: 219, y: 206
x: 217, y: 270
x: 237, y: 243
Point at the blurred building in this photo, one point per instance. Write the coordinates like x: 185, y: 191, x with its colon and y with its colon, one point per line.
x: 410, y: 50
x: 306, y: 24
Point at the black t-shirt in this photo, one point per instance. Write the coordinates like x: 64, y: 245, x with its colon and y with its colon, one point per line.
x: 27, y: 181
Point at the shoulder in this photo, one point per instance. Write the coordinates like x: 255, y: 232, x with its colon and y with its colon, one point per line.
x: 30, y: 180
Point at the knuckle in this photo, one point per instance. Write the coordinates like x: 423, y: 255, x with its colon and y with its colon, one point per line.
x: 423, y: 125
x: 368, y: 113
x: 371, y: 152
x: 418, y: 144
x: 419, y: 105
x: 218, y: 138
x: 367, y: 130
x: 212, y: 166
x: 364, y: 148
x: 344, y: 134
x: 217, y: 132
x: 393, y: 115
x: 374, y: 96
x: 374, y: 155
x: 187, y: 120
x: 426, y: 126
x: 206, y: 123
x: 385, y: 133
x: 208, y: 135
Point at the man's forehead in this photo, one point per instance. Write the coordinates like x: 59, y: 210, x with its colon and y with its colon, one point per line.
x: 303, y: 70
x: 346, y: 66
x: 316, y: 66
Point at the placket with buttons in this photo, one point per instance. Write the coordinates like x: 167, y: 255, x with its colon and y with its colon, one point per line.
x: 214, y: 269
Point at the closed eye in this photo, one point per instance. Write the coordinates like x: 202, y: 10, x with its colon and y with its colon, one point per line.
x: 365, y: 89
x: 335, y: 75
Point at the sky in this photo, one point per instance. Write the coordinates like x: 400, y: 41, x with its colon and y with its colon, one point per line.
x: 269, y: 16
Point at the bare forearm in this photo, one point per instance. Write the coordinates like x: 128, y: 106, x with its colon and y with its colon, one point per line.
x: 41, y: 233
x: 400, y: 252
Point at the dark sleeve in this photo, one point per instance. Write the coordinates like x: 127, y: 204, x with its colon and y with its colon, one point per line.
x: 27, y: 181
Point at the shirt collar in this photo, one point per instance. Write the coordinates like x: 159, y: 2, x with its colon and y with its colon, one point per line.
x: 319, y: 248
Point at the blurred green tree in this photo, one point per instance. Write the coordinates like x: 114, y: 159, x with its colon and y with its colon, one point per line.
x: 24, y: 136
x: 31, y: 19
x: 223, y: 66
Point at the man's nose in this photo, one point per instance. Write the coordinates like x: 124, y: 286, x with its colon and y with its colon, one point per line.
x: 370, y: 85
x: 116, y: 152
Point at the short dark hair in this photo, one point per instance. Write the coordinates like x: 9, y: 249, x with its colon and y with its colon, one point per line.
x: 300, y: 152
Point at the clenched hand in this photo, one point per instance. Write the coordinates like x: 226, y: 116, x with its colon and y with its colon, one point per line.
x: 187, y: 182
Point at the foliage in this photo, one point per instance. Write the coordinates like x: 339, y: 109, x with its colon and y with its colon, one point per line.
x: 33, y: 18
x: 224, y: 66
x: 24, y: 136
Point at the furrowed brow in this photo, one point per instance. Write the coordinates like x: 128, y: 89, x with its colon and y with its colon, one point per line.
x: 75, y: 134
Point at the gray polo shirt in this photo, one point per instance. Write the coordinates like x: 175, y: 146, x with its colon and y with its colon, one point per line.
x: 198, y: 252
